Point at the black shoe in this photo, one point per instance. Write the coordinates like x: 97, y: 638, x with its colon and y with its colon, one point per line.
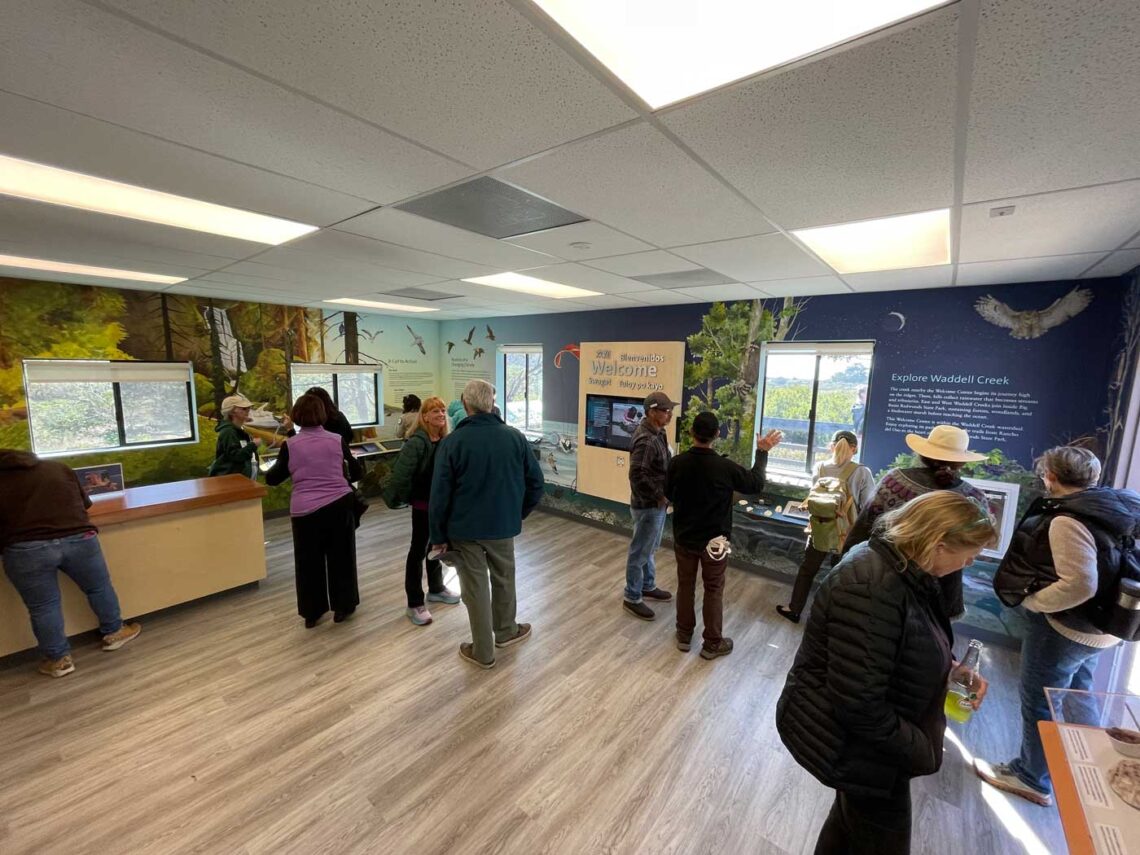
x: 341, y: 617
x: 638, y: 610
x: 684, y: 642
x: 721, y: 648
x: 310, y: 622
x: 657, y: 594
x: 784, y: 611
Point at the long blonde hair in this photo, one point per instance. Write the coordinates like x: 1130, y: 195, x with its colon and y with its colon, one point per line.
x: 429, y: 404
x: 941, y: 516
x: 841, y: 452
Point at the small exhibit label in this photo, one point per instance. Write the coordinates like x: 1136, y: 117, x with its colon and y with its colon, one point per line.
x: 1108, y: 840
x: 1091, y: 786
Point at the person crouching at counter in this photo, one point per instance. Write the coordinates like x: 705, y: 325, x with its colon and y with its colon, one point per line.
x: 862, y: 708
x: 410, y: 483
x: 324, y: 527
x: 235, y: 450
x: 700, y: 484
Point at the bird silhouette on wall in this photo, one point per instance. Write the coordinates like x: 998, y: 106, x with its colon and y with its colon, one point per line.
x: 1034, y: 323
x: 417, y: 340
x: 450, y: 345
x: 479, y: 352
x: 553, y: 463
x: 371, y: 336
x: 470, y: 335
x: 490, y: 333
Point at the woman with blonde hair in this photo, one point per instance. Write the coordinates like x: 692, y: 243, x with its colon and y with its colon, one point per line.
x: 858, y: 486
x: 862, y: 709
x: 410, y: 483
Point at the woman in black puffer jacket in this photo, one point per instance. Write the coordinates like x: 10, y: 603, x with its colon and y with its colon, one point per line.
x: 862, y: 709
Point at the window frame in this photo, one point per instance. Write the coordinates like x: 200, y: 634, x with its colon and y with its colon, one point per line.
x: 335, y: 369
x: 818, y: 349
x: 529, y: 350
x: 120, y: 416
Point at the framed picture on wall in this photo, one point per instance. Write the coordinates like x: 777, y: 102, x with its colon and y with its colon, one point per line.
x: 101, y: 479
x: 1003, y: 504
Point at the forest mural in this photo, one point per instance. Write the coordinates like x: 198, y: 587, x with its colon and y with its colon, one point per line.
x: 234, y: 346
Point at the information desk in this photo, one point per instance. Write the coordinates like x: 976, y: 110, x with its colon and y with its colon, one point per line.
x: 165, y: 544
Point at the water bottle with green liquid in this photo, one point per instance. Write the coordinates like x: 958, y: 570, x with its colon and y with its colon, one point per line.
x: 960, y: 695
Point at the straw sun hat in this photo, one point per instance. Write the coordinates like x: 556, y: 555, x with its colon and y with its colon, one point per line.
x: 945, y: 442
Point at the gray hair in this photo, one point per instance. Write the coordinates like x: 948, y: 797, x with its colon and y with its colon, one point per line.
x: 1071, y: 466
x: 479, y: 395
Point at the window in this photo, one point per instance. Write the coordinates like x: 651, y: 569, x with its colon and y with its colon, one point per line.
x: 809, y: 390
x: 357, y: 390
x: 522, y: 385
x: 79, y: 405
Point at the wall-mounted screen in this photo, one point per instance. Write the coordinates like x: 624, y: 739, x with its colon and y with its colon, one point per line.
x: 612, y: 421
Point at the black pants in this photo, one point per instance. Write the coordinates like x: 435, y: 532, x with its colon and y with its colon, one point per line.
x: 809, y: 569
x: 858, y: 825
x: 414, y: 570
x: 324, y: 555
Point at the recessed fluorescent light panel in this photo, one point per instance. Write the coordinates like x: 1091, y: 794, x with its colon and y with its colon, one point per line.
x: 41, y: 183
x: 87, y: 270
x: 373, y: 304
x: 669, y: 50
x: 892, y: 243
x: 531, y: 285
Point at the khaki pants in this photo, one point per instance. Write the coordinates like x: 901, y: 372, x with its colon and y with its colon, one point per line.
x: 486, y: 571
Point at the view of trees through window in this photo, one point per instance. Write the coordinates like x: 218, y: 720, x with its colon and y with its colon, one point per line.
x: 522, y: 397
x: 835, y: 382
x: 83, y: 415
x: 356, y: 394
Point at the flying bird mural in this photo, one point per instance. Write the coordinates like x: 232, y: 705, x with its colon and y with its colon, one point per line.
x: 470, y: 335
x: 490, y: 333
x: 1034, y: 323
x: 553, y: 463
x: 417, y: 340
x: 450, y: 345
x: 479, y: 352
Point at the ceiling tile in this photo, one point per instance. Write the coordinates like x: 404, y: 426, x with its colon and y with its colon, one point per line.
x: 65, y: 252
x: 712, y: 293
x: 23, y: 221
x: 901, y: 280
x: 83, y: 59
x: 1116, y: 264
x: 605, y: 301
x: 644, y: 263
x: 755, y: 258
x: 638, y: 181
x: 587, y: 277
x: 602, y: 241
x: 661, y: 297
x: 398, y: 227
x: 862, y: 133
x: 292, y: 272
x: 332, y: 245
x: 1052, y: 103
x: 685, y: 278
x: 1134, y: 243
x: 77, y: 279
x: 1070, y: 221
x: 491, y: 208
x: 46, y: 134
x: 474, y: 80
x: 806, y: 287
x: 1025, y: 269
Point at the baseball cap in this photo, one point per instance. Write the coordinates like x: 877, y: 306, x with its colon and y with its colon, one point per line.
x: 658, y: 401
x: 233, y: 401
x: 706, y: 427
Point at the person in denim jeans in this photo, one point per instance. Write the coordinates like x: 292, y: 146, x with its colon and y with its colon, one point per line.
x: 648, y: 463
x: 44, y: 529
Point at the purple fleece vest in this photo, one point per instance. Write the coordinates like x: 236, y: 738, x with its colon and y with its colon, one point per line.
x: 316, y: 465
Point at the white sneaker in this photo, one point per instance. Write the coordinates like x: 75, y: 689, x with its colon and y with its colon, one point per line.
x: 1002, y: 777
x: 420, y: 616
x: 447, y: 596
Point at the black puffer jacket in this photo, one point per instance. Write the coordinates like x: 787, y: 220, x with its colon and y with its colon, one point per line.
x: 862, y: 706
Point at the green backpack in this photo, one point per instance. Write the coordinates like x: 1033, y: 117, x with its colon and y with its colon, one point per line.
x: 832, y: 510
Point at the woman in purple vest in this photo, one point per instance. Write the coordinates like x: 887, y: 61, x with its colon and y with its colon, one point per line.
x: 324, y: 527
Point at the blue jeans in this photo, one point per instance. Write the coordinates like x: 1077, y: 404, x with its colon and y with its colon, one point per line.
x: 32, y: 567
x: 640, y: 570
x: 1048, y: 660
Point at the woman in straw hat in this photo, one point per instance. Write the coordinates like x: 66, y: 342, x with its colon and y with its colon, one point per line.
x: 941, y: 454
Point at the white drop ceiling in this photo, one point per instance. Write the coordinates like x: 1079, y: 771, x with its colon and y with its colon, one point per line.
x: 331, y: 113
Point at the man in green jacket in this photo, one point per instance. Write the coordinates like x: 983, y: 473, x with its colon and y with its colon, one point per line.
x: 486, y: 481
x: 235, y: 450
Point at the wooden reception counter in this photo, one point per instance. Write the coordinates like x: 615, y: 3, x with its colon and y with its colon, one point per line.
x: 165, y: 544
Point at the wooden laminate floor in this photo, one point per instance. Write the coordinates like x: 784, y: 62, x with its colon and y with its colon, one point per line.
x: 227, y: 727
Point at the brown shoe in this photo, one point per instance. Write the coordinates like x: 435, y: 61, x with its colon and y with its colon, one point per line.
x: 127, y: 633
x: 56, y: 667
x: 684, y: 641
x: 522, y: 635
x: 721, y: 648
x: 466, y: 651
x: 657, y: 594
